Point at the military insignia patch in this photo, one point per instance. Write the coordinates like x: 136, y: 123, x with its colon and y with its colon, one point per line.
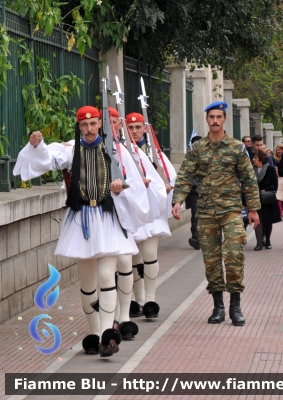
x: 220, y: 106
x: 134, y: 119
x: 88, y: 115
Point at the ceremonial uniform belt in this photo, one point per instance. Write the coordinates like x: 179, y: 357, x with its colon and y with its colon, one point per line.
x: 92, y: 203
x: 106, y: 203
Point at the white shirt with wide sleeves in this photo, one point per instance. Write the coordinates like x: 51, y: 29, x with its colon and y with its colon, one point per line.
x: 90, y: 232
x: 160, y: 227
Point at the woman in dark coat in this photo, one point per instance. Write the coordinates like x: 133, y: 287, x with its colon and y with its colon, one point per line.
x: 267, y: 181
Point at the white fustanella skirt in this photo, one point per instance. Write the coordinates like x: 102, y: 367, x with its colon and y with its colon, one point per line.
x: 93, y: 233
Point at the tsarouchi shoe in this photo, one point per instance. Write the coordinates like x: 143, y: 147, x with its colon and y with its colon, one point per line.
x: 91, y: 344
x: 128, y: 330
x: 151, y: 309
x: 136, y: 310
x: 110, y: 341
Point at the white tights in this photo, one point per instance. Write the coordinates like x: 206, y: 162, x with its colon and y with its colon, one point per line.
x: 124, y: 287
x: 99, y: 272
x: 144, y: 289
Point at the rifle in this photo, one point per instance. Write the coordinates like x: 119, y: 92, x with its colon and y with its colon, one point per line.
x: 128, y: 137
x: 107, y: 133
x: 152, y: 140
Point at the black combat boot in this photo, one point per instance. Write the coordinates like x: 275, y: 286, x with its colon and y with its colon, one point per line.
x: 235, y: 312
x: 218, y: 314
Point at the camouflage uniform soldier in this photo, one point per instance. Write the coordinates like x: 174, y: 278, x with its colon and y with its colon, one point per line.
x: 223, y: 170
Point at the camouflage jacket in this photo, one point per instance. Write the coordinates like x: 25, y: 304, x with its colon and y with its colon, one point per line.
x: 224, y: 171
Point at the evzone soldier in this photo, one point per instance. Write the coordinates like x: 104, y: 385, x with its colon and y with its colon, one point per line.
x: 157, y: 198
x: 145, y: 263
x: 97, y: 226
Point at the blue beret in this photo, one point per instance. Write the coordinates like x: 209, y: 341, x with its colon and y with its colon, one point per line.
x: 217, y: 105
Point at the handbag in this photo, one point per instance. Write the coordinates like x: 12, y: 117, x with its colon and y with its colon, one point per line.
x: 268, y: 197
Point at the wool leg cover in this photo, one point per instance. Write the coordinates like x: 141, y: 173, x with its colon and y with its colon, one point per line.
x: 117, y: 310
x: 124, y: 286
x: 149, y: 253
x: 88, y: 276
x: 138, y: 281
x: 106, y: 268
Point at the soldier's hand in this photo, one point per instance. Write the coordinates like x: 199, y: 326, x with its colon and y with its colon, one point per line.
x: 168, y: 188
x: 146, y: 181
x: 117, y: 186
x: 176, y: 211
x: 253, y: 217
x: 35, y: 138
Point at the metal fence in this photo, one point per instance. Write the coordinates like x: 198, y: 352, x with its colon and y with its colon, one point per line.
x: 236, y: 122
x: 252, y: 127
x: 189, y: 110
x: 133, y: 71
x: 54, y: 48
x: 264, y: 135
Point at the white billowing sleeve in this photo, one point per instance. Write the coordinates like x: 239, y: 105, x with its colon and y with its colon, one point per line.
x: 131, y: 204
x: 33, y: 162
x: 172, y: 175
x: 62, y: 156
x: 156, y: 191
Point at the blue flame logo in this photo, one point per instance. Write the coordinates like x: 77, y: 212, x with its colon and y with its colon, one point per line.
x: 43, y: 289
x: 50, y: 300
x: 34, y: 334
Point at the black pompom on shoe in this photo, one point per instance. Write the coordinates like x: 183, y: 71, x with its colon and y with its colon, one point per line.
x: 151, y: 309
x: 128, y: 330
x: 91, y: 344
x: 135, y: 309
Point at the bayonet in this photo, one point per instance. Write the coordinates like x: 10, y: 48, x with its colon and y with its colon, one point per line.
x: 107, y: 131
x: 151, y: 145
x: 120, y: 105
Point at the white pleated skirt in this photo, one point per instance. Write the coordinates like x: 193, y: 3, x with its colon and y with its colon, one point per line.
x: 142, y: 233
x: 159, y: 227
x: 104, y: 235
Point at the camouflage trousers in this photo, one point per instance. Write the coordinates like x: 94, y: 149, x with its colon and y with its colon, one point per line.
x: 222, y: 239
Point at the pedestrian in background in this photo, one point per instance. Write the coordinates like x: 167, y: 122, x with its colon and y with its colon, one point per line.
x: 257, y: 144
x: 191, y: 203
x: 269, y: 214
x: 270, y: 152
x: 248, y: 145
x: 279, y: 194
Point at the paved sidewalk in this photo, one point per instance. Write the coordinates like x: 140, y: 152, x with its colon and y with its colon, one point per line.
x: 180, y: 341
x: 193, y: 346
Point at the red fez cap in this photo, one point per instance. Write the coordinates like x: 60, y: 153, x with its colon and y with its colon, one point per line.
x: 87, y: 112
x: 113, y: 112
x: 134, y: 117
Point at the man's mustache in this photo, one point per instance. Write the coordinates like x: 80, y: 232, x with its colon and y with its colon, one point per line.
x: 215, y: 125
